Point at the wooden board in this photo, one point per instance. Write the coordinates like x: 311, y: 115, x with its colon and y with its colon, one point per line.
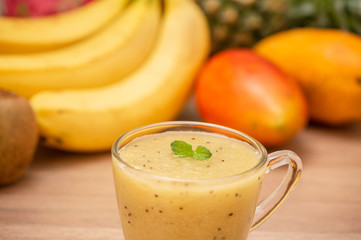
x: 71, y: 196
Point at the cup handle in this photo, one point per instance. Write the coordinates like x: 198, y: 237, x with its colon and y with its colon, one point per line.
x: 269, y: 205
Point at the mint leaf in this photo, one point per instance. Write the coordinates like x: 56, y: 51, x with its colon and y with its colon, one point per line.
x: 202, y: 153
x: 183, y: 149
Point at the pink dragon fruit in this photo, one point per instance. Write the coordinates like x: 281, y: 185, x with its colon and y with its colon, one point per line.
x: 37, y: 8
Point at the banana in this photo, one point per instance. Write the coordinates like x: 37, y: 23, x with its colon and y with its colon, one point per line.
x: 102, y: 59
x: 24, y: 35
x: 91, y: 119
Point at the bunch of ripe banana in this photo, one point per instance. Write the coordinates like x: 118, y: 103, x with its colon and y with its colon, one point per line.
x: 134, y: 68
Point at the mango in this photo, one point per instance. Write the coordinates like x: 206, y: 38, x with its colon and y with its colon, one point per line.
x: 238, y: 88
x: 327, y: 64
x: 18, y: 136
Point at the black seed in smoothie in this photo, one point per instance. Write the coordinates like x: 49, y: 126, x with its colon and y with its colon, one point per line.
x: 129, y: 214
x: 156, y: 195
x: 236, y: 195
x: 207, y: 165
x: 222, y: 160
x: 125, y: 207
x: 259, y: 178
x: 146, y: 210
x: 231, y: 214
x: 219, y: 229
x: 208, y: 142
x: 193, y: 138
x: 160, y: 211
x: 158, y: 151
x: 129, y: 222
x: 180, y: 208
x: 144, y: 165
x: 135, y: 145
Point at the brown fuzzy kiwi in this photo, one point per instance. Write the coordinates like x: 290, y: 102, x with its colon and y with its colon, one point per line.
x: 18, y: 136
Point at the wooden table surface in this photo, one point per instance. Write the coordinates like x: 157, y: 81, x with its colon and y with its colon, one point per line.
x: 71, y: 196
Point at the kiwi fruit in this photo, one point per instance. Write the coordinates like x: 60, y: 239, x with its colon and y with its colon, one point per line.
x: 18, y: 136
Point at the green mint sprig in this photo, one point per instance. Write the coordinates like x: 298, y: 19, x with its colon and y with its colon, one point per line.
x: 183, y: 149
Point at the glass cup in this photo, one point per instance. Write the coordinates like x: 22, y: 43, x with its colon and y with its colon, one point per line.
x: 157, y: 207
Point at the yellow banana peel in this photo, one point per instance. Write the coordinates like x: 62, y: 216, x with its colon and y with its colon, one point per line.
x: 91, y: 120
x: 26, y: 35
x: 102, y: 59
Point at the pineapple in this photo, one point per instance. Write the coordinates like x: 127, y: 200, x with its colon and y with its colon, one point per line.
x: 241, y: 23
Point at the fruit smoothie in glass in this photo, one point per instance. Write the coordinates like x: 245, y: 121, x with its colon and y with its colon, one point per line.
x: 180, y: 181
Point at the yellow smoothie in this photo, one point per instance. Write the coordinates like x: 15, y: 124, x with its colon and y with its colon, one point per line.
x: 187, y: 199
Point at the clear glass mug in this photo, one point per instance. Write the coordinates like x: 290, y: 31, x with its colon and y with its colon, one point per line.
x: 213, y: 211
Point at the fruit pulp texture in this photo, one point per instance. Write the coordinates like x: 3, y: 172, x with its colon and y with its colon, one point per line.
x: 205, y: 202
